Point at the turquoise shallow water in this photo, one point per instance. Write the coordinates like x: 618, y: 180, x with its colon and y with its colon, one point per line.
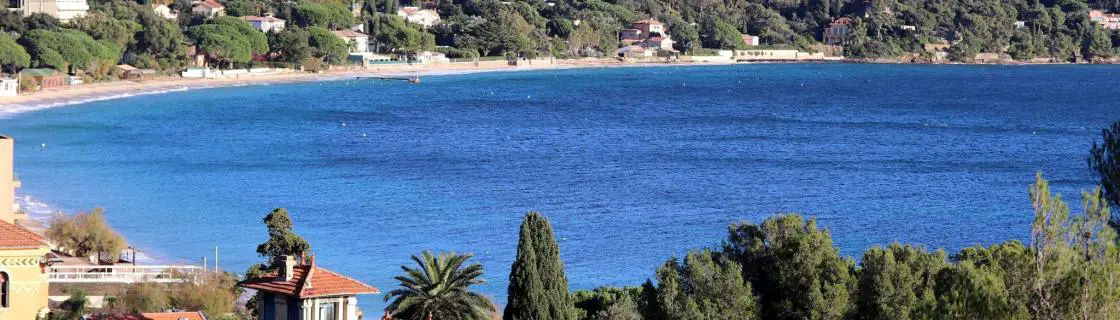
x: 632, y: 165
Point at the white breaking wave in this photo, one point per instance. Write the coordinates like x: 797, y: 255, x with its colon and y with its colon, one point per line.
x: 14, y: 109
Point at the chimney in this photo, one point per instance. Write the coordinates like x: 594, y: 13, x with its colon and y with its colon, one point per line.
x: 285, y: 266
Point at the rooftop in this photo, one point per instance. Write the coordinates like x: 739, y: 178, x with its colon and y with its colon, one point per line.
x: 348, y: 33
x: 13, y: 237
x: 265, y: 19
x: 309, y: 281
x: 648, y: 21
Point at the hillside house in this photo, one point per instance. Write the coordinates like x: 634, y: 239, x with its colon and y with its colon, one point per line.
x: 208, y: 8
x: 64, y: 10
x: 266, y: 24
x: 424, y: 17
x: 356, y: 41
x: 165, y: 11
x: 837, y: 31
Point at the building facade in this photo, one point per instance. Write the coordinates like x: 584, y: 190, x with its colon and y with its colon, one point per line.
x: 64, y: 10
x: 23, y: 273
x: 208, y: 8
x: 9, y: 87
x: 837, y: 31
x: 8, y: 181
x: 266, y: 24
x: 300, y: 290
x: 1110, y: 21
x: 424, y: 17
x: 356, y: 41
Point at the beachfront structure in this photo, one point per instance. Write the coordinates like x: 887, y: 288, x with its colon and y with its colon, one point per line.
x: 165, y: 11
x: 64, y: 10
x: 300, y: 290
x: 265, y: 24
x: 655, y: 44
x: 9, y: 87
x: 424, y: 17
x: 8, y: 181
x: 357, y: 42
x: 634, y: 52
x: 150, y: 316
x: 44, y: 78
x: 23, y: 273
x: 428, y: 57
x: 750, y: 40
x: 1110, y: 21
x: 837, y: 31
x: 208, y: 8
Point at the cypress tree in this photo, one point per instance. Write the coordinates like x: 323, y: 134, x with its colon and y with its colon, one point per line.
x: 538, y: 289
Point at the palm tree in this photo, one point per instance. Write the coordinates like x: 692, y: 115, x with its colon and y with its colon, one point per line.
x: 439, y: 287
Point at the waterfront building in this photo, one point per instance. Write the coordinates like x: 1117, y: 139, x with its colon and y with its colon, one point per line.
x: 646, y: 34
x: 750, y: 40
x: 356, y: 41
x: 301, y: 290
x: 23, y: 273
x: 265, y: 24
x: 425, y: 17
x: 44, y: 78
x: 64, y: 10
x: 165, y: 11
x: 837, y: 31
x: 208, y: 8
x: 9, y: 87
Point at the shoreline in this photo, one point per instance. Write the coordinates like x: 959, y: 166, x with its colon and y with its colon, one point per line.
x: 111, y: 90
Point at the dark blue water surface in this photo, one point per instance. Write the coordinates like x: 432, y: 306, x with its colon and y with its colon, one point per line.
x: 632, y: 165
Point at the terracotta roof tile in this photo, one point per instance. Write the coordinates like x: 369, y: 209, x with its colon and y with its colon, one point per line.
x: 323, y: 282
x: 15, y: 237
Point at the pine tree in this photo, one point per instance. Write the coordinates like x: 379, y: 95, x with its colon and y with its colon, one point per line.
x: 538, y: 289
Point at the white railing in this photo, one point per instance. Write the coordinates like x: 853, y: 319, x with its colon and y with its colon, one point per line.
x: 123, y: 274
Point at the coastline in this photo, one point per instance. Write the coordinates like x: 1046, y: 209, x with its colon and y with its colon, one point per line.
x: 72, y: 95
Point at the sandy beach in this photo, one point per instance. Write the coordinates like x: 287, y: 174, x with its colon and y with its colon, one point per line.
x: 68, y: 95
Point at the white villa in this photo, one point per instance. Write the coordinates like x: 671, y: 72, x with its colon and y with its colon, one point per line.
x: 9, y: 87
x: 208, y: 8
x: 357, y: 41
x: 165, y: 11
x: 424, y: 17
x: 64, y: 10
x: 265, y: 24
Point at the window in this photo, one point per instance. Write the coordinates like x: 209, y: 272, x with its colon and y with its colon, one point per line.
x: 5, y: 289
x: 328, y: 311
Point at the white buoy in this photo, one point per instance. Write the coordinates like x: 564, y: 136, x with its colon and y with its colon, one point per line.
x: 44, y: 145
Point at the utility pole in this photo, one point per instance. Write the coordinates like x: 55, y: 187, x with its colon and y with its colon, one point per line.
x: 216, y: 269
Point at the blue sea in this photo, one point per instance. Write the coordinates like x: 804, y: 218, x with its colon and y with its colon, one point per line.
x: 631, y: 165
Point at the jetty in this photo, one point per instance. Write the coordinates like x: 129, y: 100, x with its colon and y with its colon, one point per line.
x: 415, y: 78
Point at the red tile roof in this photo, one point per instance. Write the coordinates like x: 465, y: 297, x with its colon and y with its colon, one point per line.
x: 310, y: 281
x: 348, y: 33
x: 151, y: 316
x: 266, y: 19
x: 14, y: 237
x: 212, y: 4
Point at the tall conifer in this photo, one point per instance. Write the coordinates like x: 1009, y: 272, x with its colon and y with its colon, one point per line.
x: 538, y: 289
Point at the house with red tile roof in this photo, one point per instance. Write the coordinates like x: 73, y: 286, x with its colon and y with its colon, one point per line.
x: 23, y: 273
x: 265, y: 24
x: 150, y: 316
x: 837, y: 31
x: 301, y: 290
x: 649, y: 35
x: 208, y: 8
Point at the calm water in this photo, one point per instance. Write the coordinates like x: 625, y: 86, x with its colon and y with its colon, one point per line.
x: 631, y: 165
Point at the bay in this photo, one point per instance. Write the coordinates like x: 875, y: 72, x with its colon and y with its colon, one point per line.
x: 632, y: 165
